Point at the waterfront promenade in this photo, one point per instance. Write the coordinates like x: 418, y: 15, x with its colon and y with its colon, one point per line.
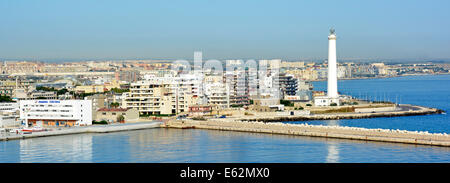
x: 272, y: 124
x: 85, y: 129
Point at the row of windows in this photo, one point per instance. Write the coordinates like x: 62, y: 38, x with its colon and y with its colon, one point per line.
x: 104, y: 113
x: 49, y: 115
x: 46, y: 110
x: 26, y: 105
x: 4, y: 109
x: 7, y: 104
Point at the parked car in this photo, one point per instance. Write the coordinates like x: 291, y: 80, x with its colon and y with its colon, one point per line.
x: 181, y: 117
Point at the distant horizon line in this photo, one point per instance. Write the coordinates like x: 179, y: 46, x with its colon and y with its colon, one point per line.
x: 63, y: 60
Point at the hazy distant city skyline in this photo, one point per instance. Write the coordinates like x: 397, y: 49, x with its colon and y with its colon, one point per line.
x: 83, y: 30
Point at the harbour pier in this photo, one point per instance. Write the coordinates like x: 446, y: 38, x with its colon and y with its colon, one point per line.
x: 354, y: 133
x: 86, y: 129
x: 403, y: 110
x: 274, y: 125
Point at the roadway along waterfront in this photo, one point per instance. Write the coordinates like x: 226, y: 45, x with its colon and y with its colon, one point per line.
x: 254, y: 124
x: 87, y: 129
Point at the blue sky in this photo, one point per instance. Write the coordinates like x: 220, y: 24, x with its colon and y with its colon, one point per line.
x: 253, y: 29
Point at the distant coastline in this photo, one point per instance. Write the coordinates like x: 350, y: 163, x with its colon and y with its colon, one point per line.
x: 381, y: 77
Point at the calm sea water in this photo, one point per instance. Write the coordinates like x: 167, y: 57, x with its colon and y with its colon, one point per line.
x: 430, y: 91
x: 176, y: 145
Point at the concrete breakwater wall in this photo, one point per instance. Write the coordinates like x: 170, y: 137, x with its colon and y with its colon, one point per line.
x: 88, y: 129
x: 382, y: 135
x: 337, y: 116
x: 376, y: 109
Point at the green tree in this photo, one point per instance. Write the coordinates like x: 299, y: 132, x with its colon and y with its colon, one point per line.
x: 287, y: 103
x: 115, y: 104
x: 4, y: 98
x: 62, y: 91
x: 120, y: 118
x: 102, y: 122
x: 118, y: 90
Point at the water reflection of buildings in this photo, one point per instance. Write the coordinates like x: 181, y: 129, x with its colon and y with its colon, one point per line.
x: 70, y: 148
x: 152, y: 142
x: 333, y: 148
x: 8, y: 151
x: 332, y: 123
x: 161, y: 145
x: 333, y: 153
x: 174, y: 145
x: 111, y: 147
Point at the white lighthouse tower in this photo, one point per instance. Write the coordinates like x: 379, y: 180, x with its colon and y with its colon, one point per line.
x: 332, y: 96
x: 332, y: 68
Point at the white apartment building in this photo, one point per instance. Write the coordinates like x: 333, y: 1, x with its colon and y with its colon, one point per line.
x: 216, y: 91
x: 238, y: 80
x: 9, y: 107
x: 56, y: 112
x: 43, y: 94
x: 9, y: 114
x: 9, y: 120
x: 217, y: 95
x: 191, y: 84
x: 161, y: 95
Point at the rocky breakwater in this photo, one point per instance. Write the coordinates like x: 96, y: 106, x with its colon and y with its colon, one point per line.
x: 381, y: 135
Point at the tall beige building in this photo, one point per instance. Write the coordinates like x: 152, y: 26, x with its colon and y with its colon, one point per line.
x: 160, y: 96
